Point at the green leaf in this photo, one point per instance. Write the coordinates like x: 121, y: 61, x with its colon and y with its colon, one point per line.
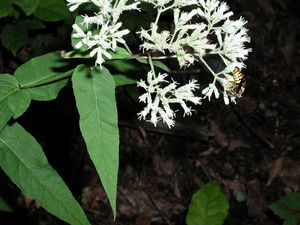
x: 18, y: 102
x: 288, y: 208
x: 208, y: 206
x: 5, y: 114
x: 291, y: 222
x: 23, y: 160
x: 33, y: 24
x: 5, y: 8
x: 52, y: 10
x: 8, y: 86
x: 122, y: 79
x: 43, y: 69
x: 156, y: 63
x: 94, y: 91
x: 4, y: 206
x: 28, y: 6
x: 14, y: 37
x: 120, y: 53
x: 122, y: 66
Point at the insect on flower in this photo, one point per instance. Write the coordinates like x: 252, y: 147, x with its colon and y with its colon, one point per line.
x: 236, y: 87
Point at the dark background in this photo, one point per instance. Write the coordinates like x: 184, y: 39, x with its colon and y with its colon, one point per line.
x: 251, y: 149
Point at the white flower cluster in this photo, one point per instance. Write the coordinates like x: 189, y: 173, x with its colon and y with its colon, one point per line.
x: 206, y: 29
x: 106, y: 35
x: 160, y: 94
x: 186, y: 36
x: 200, y: 28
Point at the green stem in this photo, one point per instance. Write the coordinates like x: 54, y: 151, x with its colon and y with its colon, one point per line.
x: 127, y: 48
x: 208, y: 67
x: 137, y: 56
x: 48, y: 80
x: 151, y: 64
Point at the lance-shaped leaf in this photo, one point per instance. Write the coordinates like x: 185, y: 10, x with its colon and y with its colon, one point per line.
x: 18, y: 102
x: 23, y: 160
x: 43, y: 76
x: 94, y: 91
x: 8, y: 86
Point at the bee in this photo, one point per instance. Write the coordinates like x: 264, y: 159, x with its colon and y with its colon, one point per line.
x: 236, y: 87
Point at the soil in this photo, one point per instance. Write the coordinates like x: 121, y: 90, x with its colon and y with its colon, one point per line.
x: 250, y: 149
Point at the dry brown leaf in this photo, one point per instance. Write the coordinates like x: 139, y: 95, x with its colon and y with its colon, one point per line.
x: 218, y: 133
x: 276, y: 168
x: 255, y: 199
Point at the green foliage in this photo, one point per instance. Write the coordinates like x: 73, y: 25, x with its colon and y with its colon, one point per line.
x: 156, y: 63
x: 5, y: 8
x: 5, y: 114
x: 4, y: 206
x: 41, y: 70
x: 122, y: 79
x: 288, y: 208
x: 23, y: 160
x: 8, y: 86
x: 52, y: 10
x: 18, y: 102
x: 13, y: 37
x: 208, y: 206
x: 28, y: 6
x: 94, y: 91
x: 120, y: 53
x: 32, y: 24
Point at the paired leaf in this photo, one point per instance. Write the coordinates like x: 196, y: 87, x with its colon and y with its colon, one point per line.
x: 45, y: 68
x: 8, y: 86
x: 94, y: 91
x: 120, y: 53
x: 122, y: 79
x: 14, y: 37
x: 52, y: 10
x: 28, y: 6
x: 4, y: 206
x: 5, y: 114
x: 23, y: 160
x: 288, y: 208
x: 156, y: 63
x: 208, y: 206
x: 18, y: 102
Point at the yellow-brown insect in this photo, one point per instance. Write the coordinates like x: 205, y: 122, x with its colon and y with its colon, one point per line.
x: 236, y: 87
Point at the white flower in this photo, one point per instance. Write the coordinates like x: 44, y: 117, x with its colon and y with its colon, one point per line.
x: 98, y: 19
x: 158, y: 98
x: 214, y: 11
x: 208, y: 91
x: 158, y: 3
x: 228, y: 99
x: 184, y: 59
x: 121, y: 7
x: 155, y: 41
x: 232, y: 45
x: 75, y: 3
x: 100, y: 43
x: 107, y: 34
